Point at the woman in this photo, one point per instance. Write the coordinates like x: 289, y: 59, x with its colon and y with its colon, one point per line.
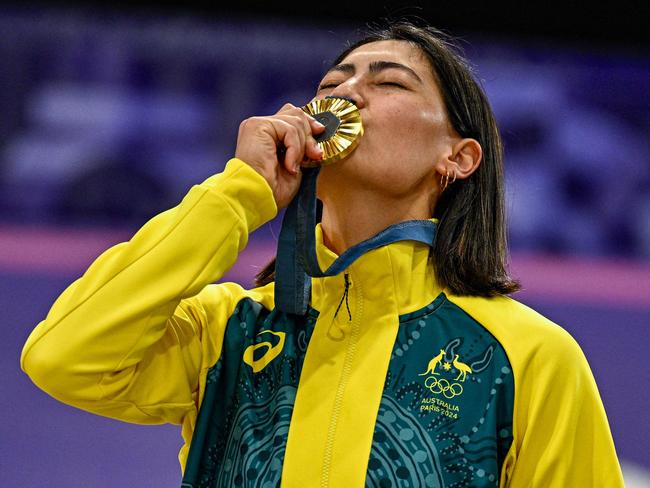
x: 410, y: 368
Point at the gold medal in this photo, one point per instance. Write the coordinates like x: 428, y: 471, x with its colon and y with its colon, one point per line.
x: 343, y: 128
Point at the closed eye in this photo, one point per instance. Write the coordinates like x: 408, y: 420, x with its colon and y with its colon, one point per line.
x: 391, y: 83
x: 328, y: 85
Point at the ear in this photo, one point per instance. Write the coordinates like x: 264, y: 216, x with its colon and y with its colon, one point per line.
x: 464, y: 159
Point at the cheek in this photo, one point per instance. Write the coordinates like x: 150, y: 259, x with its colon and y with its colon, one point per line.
x: 412, y: 122
x: 424, y: 127
x: 411, y: 135
x: 401, y: 145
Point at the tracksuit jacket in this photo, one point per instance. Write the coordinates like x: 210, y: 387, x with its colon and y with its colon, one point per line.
x: 388, y: 380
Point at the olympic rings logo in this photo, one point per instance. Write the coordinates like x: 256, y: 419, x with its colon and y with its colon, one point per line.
x: 449, y: 390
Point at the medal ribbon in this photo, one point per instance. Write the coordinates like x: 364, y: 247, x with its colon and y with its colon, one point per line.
x: 297, y: 261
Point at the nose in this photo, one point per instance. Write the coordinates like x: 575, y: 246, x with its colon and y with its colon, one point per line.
x: 349, y: 90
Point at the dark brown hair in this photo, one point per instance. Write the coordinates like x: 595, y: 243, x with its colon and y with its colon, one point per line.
x: 470, y: 250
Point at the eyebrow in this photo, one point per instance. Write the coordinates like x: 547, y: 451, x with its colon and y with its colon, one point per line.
x: 376, y: 67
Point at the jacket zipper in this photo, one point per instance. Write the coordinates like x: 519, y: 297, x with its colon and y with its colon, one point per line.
x: 345, y: 298
x: 334, y: 332
x: 345, y: 375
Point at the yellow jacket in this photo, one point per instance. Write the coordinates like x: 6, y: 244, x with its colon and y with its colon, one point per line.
x: 387, y: 379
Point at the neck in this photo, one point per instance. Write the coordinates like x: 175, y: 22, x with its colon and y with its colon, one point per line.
x: 350, y: 217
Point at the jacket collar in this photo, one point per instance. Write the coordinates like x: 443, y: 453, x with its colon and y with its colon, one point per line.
x: 403, y: 269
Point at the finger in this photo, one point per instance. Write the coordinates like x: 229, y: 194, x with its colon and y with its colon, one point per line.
x: 315, y: 127
x: 301, y: 124
x: 313, y: 150
x: 302, y: 130
x: 290, y: 137
x: 299, y: 121
x: 288, y: 108
x: 295, y: 153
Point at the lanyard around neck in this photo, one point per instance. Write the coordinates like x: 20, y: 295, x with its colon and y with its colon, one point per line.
x: 297, y: 260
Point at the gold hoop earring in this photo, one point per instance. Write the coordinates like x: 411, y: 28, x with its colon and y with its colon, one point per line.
x: 446, y: 182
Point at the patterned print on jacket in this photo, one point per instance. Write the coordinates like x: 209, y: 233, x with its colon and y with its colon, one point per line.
x: 445, y: 418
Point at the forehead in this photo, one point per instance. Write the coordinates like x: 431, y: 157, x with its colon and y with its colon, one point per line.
x: 395, y: 51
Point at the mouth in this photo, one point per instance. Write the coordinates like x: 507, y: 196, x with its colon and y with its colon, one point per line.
x: 343, y: 128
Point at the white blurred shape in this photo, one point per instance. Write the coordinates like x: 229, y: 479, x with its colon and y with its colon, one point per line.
x: 635, y: 476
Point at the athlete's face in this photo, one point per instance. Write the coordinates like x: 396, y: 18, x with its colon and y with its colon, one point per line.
x: 406, y: 129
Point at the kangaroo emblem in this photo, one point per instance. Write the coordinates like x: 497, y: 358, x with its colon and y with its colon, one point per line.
x: 431, y: 368
x: 462, y: 368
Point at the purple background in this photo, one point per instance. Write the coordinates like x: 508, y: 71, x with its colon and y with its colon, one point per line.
x: 105, y: 120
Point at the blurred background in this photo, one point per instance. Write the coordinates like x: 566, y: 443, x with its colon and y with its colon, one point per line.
x: 108, y: 115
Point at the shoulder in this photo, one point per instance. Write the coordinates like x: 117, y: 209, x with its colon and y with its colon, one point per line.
x: 525, y: 334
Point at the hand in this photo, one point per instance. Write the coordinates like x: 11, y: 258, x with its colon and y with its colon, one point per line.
x: 276, y: 145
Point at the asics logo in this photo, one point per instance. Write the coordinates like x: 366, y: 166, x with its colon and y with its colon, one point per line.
x: 269, y: 355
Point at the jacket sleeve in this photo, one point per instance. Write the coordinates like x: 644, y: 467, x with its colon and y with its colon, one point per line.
x: 130, y: 338
x: 562, y: 437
